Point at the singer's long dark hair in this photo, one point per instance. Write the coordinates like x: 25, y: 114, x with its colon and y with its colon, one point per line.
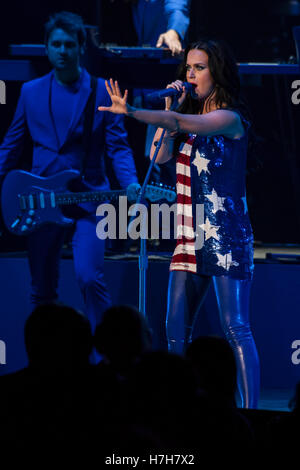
x: 224, y: 71
x: 226, y: 92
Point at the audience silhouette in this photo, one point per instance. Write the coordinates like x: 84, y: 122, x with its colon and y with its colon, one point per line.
x: 213, y: 361
x: 122, y: 337
x: 135, y: 400
x: 214, y: 364
x: 46, y: 402
x: 58, y: 339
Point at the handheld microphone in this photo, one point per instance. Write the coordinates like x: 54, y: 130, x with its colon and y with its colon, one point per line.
x: 161, y: 94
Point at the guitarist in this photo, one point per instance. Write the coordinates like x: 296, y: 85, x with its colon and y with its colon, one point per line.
x: 68, y: 133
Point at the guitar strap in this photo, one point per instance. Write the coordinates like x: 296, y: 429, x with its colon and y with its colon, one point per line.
x: 89, y: 112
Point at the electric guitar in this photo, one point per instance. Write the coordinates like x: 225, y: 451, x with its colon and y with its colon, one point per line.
x: 29, y: 201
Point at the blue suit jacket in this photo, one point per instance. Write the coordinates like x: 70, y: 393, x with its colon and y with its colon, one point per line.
x: 33, y: 115
x: 154, y: 17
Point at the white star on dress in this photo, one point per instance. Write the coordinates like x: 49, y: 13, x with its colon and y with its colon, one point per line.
x: 201, y: 163
x: 218, y: 202
x: 225, y: 261
x: 210, y: 230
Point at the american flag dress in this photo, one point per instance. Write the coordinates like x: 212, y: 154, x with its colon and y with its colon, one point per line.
x: 214, y: 234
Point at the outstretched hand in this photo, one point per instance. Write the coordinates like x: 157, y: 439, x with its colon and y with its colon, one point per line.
x: 118, y: 102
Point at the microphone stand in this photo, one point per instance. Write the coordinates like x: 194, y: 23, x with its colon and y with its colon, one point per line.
x: 143, y: 258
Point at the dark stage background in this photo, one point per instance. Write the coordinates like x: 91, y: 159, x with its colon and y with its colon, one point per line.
x: 256, y: 30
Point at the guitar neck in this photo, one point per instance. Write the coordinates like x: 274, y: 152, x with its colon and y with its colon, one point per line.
x: 63, y: 199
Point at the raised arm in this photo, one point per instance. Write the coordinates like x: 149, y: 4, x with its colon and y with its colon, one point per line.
x: 221, y: 121
x: 214, y: 123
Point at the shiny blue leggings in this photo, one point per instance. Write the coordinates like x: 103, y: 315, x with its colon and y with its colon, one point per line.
x: 186, y: 294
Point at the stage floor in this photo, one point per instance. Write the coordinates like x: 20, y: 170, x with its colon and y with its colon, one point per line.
x: 287, y: 253
x: 275, y: 399
x: 282, y: 253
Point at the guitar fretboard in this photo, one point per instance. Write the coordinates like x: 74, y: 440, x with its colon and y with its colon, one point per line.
x: 62, y: 199
x: 45, y: 199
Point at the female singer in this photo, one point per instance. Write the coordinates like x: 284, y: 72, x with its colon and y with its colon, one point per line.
x: 208, y: 136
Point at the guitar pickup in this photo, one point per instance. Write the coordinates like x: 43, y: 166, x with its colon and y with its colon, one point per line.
x: 42, y: 200
x: 31, y: 201
x: 27, y: 202
x: 22, y: 201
